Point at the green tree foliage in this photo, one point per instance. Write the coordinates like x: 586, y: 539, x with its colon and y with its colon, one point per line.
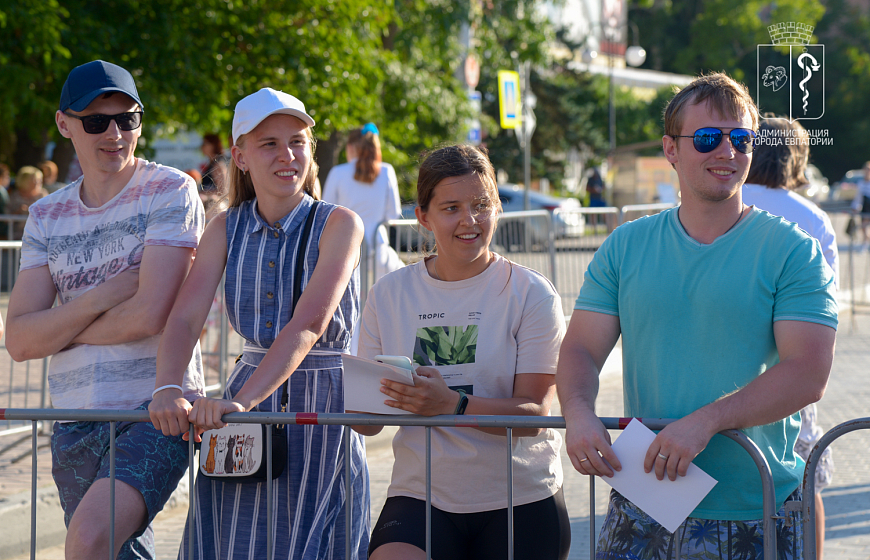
x: 845, y: 32
x: 351, y: 61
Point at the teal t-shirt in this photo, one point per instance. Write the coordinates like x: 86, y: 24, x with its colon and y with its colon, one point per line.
x: 697, y: 324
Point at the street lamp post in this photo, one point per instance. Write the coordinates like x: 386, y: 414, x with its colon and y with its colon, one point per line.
x: 635, y: 55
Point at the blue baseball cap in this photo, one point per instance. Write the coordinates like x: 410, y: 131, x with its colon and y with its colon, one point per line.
x: 88, y: 81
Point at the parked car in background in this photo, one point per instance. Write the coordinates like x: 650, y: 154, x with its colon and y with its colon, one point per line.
x: 510, y: 234
x: 817, y: 188
x: 844, y: 190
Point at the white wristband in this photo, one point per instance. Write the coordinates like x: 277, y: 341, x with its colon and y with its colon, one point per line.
x: 158, y: 389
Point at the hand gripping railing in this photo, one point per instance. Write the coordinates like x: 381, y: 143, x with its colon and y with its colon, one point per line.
x: 809, y: 485
x: 324, y: 419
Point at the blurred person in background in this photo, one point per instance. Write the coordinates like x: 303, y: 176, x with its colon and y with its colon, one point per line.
x: 861, y: 203
x: 28, y: 189
x: 49, y: 176
x: 595, y: 188
x: 777, y: 169
x: 196, y: 176
x: 368, y: 186
x: 5, y: 179
x: 214, y: 170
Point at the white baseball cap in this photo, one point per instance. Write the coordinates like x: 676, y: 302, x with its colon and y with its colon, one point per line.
x: 253, y: 109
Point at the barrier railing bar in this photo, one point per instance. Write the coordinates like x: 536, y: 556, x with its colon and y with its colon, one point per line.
x: 623, y: 210
x: 33, y: 493
x: 26, y: 382
x: 348, y: 491
x: 767, y: 489
x: 809, y: 483
x: 510, y: 493
x: 551, y: 247
x: 43, y: 391
x: 111, y: 490
x: 428, y: 492
x: 592, y: 535
x: 267, y: 486
x: 12, y: 432
x: 191, y: 493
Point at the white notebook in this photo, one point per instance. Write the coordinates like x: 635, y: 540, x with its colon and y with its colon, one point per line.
x: 362, y: 384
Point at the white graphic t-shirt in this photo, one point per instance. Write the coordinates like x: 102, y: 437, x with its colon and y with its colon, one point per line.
x: 83, y: 247
x: 479, y: 333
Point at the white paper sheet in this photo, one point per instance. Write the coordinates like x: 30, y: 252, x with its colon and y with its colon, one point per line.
x: 668, y: 502
x: 362, y: 384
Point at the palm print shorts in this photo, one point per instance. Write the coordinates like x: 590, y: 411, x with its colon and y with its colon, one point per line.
x: 630, y: 534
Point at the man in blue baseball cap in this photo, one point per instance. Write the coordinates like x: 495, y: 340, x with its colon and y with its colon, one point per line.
x: 113, y: 247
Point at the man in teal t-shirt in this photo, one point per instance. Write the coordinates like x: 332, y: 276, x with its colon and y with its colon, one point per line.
x: 728, y: 319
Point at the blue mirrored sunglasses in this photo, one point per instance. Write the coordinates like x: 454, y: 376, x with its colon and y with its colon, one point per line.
x: 706, y: 140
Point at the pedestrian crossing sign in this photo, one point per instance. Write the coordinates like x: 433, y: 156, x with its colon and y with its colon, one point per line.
x: 509, y: 100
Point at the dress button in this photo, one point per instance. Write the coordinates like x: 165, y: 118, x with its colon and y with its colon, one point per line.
x: 270, y: 295
x: 274, y: 234
x: 268, y: 324
x: 271, y: 264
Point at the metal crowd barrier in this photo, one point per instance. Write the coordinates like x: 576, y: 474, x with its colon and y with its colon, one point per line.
x: 857, y: 264
x: 7, y: 225
x: 634, y: 211
x: 304, y: 418
x: 809, y: 482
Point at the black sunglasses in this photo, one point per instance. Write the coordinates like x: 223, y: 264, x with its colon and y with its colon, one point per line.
x: 97, y: 124
x: 706, y: 140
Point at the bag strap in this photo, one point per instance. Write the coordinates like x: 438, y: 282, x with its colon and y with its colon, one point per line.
x: 299, y: 270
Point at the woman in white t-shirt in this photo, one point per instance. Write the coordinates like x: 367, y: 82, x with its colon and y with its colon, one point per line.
x: 486, y: 334
x: 368, y: 186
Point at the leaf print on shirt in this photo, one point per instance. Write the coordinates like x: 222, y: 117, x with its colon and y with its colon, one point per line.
x: 445, y: 346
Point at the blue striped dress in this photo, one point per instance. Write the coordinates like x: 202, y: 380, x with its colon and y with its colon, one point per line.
x: 309, y: 497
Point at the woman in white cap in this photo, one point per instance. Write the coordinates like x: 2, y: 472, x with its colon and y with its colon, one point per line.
x: 257, y: 242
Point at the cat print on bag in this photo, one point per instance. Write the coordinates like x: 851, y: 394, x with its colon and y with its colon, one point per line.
x: 239, y: 455
x: 249, y: 460
x: 228, y: 460
x: 220, y: 454
x: 209, y: 462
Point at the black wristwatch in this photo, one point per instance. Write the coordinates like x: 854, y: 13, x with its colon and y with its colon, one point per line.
x: 463, y: 402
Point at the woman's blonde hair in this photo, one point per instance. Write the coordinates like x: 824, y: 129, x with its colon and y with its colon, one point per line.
x: 239, y: 185
x: 27, y: 175
x: 368, y: 155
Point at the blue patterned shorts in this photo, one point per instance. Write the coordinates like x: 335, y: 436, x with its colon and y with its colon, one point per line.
x: 144, y: 458
x: 630, y: 534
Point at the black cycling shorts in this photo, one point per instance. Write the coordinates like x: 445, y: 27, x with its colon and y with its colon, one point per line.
x: 542, y: 530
